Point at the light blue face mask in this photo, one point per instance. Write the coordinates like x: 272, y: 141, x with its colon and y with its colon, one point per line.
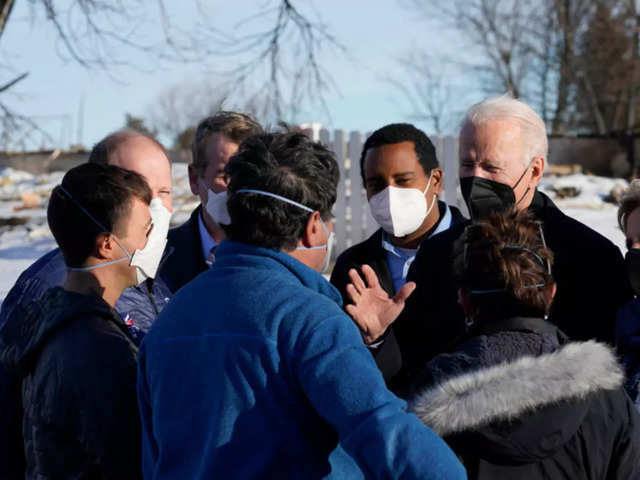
x: 101, y: 227
x: 330, y: 235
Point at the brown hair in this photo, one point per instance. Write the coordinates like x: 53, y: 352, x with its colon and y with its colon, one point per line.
x: 102, y: 151
x: 502, y: 261
x: 235, y: 126
x: 90, y: 194
x: 629, y: 201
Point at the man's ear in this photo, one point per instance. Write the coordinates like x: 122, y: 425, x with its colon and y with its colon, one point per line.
x: 194, y: 180
x: 105, y: 247
x: 311, y: 233
x: 537, y: 169
x: 436, y: 180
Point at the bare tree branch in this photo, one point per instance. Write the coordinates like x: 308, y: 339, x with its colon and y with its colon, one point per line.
x: 11, y: 83
x: 281, y: 64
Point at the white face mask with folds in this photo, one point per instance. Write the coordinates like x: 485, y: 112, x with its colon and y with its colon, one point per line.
x: 146, y: 260
x: 331, y: 239
x: 401, y: 211
x: 216, y: 206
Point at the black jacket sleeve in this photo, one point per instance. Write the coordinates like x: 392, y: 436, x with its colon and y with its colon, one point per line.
x: 387, y: 353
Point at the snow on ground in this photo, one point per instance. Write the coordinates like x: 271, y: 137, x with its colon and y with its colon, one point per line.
x: 21, y: 245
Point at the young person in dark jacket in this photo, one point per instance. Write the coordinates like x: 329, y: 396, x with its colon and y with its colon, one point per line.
x: 503, y: 152
x: 403, y: 180
x: 138, y: 306
x: 264, y: 373
x: 628, y: 321
x: 72, y: 352
x: 517, y: 398
x: 216, y: 139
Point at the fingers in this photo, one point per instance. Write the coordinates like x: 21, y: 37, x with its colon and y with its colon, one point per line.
x: 370, y: 276
x: 404, y: 292
x: 353, y: 293
x: 356, y: 280
x: 352, y: 310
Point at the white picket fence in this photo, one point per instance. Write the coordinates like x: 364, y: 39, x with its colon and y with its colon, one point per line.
x: 353, y: 217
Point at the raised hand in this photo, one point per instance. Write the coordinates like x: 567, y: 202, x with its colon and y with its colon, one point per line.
x: 373, y: 310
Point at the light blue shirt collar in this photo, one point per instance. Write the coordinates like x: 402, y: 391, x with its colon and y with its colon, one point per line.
x: 400, y: 259
x: 206, y: 240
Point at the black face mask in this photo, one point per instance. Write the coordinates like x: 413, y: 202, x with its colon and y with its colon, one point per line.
x: 632, y: 260
x: 484, y: 196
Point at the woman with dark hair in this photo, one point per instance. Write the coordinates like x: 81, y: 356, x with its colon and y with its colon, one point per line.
x: 517, y: 399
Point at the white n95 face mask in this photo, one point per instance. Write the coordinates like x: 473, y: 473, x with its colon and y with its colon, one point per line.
x: 331, y: 238
x: 401, y: 211
x: 216, y: 207
x: 148, y: 259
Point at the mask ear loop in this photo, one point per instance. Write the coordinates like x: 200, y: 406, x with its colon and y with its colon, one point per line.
x: 100, y: 226
x: 544, y: 245
x: 518, y: 183
x: 435, y: 197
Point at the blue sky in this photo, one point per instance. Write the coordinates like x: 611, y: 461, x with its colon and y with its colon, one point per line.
x: 374, y: 33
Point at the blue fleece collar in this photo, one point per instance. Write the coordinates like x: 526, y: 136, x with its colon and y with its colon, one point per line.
x: 235, y: 253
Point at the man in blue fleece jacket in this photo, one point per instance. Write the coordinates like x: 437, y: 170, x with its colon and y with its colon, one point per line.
x: 253, y: 370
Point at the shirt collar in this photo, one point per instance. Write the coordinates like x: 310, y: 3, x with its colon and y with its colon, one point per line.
x: 207, y: 242
x: 443, y: 224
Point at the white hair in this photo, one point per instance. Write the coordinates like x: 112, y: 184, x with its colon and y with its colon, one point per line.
x: 506, y: 107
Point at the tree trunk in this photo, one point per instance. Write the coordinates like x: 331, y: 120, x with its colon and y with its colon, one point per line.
x: 5, y: 11
x: 564, y: 20
x: 631, y: 99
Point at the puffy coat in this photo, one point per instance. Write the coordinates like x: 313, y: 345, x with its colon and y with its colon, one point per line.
x: 520, y: 401
x: 254, y: 371
x: 76, y: 365
x: 628, y: 344
x: 138, y: 306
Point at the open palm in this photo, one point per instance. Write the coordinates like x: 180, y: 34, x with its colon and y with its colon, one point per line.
x: 372, y: 309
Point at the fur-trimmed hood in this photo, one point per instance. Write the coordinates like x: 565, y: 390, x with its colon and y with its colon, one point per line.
x: 526, y: 407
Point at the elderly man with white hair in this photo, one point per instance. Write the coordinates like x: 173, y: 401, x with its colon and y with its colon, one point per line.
x: 503, y: 152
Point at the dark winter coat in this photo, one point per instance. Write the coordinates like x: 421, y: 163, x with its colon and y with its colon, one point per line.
x: 371, y: 252
x: 628, y: 344
x: 589, y: 271
x: 76, y: 364
x: 138, y: 306
x: 519, y: 401
x: 186, y: 262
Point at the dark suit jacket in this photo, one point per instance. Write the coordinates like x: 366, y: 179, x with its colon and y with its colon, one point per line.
x: 185, y: 262
x: 370, y: 252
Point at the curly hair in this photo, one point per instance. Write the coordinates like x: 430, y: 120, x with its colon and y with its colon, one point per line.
x: 287, y: 164
x: 503, y: 263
